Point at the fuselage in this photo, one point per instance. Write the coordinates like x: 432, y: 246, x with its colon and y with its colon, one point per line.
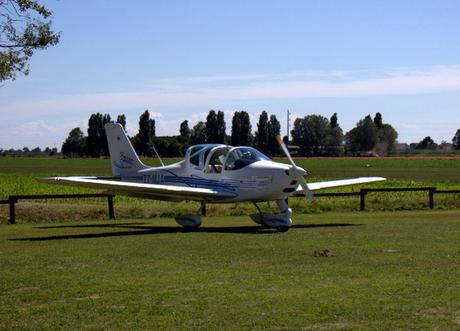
x: 244, y: 171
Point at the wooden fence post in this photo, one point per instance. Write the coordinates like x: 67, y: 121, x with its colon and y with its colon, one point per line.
x: 12, y: 210
x: 431, y: 197
x: 203, y: 209
x: 110, y: 205
x: 362, y: 199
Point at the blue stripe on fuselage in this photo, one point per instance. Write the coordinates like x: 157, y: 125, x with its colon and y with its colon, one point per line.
x: 199, y: 182
x: 173, y: 179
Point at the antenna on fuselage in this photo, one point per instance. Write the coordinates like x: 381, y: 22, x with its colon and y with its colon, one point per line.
x: 158, y: 155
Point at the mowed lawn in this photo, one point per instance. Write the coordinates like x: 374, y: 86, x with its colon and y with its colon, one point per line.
x: 391, y: 270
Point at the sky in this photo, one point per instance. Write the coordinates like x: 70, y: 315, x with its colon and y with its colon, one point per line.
x: 179, y: 59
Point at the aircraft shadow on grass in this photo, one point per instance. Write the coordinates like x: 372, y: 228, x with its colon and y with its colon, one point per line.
x: 137, y: 229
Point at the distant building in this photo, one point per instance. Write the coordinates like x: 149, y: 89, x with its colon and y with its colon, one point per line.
x: 402, y: 147
x: 446, y: 147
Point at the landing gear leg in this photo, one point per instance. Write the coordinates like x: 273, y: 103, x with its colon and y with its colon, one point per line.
x: 258, y: 208
x: 284, y: 207
x: 258, y: 218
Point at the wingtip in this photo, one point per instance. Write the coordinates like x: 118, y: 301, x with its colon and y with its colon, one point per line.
x: 46, y: 179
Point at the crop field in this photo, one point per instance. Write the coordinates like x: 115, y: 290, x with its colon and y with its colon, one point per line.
x: 385, y: 271
x: 18, y: 176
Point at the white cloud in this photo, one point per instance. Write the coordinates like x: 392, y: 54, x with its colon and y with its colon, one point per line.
x: 36, y: 133
x: 217, y: 91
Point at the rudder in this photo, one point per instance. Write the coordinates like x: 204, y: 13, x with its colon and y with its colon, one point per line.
x: 122, y: 154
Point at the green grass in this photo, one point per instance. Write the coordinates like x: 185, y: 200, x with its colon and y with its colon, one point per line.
x: 391, y: 271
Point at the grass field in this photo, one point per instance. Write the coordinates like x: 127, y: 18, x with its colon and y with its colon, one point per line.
x: 18, y: 176
x: 396, y: 267
x: 391, y: 271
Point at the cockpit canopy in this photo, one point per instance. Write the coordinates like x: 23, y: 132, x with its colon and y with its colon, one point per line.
x: 198, y: 154
x: 240, y: 157
x: 213, y: 158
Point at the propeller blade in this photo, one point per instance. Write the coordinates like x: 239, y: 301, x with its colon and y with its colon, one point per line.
x: 303, y: 183
x: 306, y: 190
x: 285, y: 150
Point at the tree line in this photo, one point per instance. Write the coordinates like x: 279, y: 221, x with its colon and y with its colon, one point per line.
x: 312, y: 135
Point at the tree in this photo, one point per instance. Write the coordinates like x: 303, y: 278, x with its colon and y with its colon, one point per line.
x: 456, y: 140
x: 362, y: 137
x: 96, y: 142
x: 334, y: 139
x: 215, y: 127
x: 184, y: 132
x: 167, y: 146
x: 211, y: 127
x: 426, y: 143
x: 25, y: 27
x: 387, y: 136
x: 121, y: 119
x: 92, y: 141
x: 74, y: 144
x: 221, y: 127
x: 334, y: 121
x: 262, y: 133
x: 310, y: 134
x: 378, y: 121
x: 241, y: 129
x: 198, y: 134
x: 273, y: 130
x: 145, y: 134
x: 104, y: 145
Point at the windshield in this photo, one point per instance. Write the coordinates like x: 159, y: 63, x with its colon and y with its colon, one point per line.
x: 242, y: 157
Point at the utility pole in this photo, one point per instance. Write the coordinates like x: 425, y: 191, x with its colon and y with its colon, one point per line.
x: 288, y: 120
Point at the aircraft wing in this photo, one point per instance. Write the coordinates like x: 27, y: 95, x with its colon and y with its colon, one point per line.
x: 143, y: 190
x: 339, y: 183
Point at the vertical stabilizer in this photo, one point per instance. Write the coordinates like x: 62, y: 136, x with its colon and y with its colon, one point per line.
x: 122, y: 154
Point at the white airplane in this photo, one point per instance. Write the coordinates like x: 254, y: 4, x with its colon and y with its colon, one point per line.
x: 210, y: 173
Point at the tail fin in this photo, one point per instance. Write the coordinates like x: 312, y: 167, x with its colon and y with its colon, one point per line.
x: 122, y: 154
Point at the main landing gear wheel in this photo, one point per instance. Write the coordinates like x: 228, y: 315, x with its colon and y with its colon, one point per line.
x: 189, y: 221
x: 281, y: 222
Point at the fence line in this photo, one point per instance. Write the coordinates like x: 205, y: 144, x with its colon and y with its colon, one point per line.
x: 364, y: 191
x: 447, y: 191
x: 13, y: 199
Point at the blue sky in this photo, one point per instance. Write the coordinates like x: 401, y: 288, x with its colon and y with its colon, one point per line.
x: 179, y: 59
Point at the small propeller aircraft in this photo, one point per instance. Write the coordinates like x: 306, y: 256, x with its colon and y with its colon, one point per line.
x: 210, y: 173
